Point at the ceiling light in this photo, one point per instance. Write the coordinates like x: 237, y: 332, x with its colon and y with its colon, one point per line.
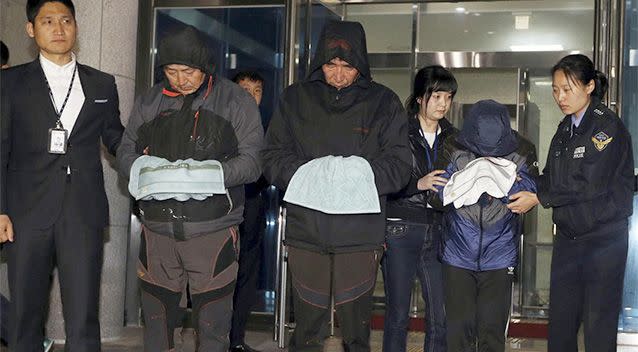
x: 460, y: 9
x: 537, y: 47
x: 521, y: 22
x: 490, y: 32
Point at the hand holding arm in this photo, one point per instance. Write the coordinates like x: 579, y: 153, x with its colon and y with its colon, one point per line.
x: 429, y: 181
x: 522, y: 202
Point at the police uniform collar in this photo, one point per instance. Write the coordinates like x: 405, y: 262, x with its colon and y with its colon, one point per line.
x: 588, y: 117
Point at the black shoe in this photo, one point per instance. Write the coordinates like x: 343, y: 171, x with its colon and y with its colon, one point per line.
x: 243, y: 348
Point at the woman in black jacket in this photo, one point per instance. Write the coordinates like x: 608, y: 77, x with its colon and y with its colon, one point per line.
x: 587, y: 181
x: 414, y: 229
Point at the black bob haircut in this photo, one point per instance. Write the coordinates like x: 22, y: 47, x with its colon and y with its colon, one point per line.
x: 34, y: 6
x: 428, y: 80
x: 5, y: 53
x: 249, y: 75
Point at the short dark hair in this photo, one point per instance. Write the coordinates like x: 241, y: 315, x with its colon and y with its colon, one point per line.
x: 5, y: 53
x: 249, y: 75
x: 579, y: 68
x: 34, y: 6
x: 428, y: 80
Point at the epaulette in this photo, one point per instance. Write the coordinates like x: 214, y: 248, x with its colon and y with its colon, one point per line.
x: 599, y: 112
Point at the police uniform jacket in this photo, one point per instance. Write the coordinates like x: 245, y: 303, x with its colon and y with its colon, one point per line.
x: 588, y: 176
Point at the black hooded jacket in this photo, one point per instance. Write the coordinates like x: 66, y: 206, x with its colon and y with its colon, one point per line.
x: 313, y: 119
x: 410, y: 203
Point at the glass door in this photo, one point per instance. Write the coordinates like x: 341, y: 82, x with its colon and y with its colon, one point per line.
x: 628, y: 325
x: 501, y: 50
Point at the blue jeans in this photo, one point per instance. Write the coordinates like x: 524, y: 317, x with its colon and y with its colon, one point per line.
x: 412, y: 249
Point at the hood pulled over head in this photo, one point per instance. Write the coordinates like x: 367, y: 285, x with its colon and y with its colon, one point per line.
x: 486, y: 130
x: 345, y: 40
x: 186, y: 47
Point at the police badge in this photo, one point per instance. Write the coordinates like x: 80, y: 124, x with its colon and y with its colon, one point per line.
x: 601, y: 139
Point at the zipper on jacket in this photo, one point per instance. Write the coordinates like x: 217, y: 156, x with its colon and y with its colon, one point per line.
x: 230, y: 202
x: 562, y: 159
x: 480, y: 248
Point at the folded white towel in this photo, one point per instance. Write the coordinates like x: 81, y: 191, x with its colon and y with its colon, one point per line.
x: 335, y: 185
x: 494, y: 176
x: 157, y: 178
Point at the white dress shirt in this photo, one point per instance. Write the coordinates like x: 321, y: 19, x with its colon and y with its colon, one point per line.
x: 59, y: 78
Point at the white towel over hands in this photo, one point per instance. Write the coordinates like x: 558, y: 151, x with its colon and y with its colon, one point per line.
x: 335, y: 185
x: 157, y: 178
x: 494, y: 176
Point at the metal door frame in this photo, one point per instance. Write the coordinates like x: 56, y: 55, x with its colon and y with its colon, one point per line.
x: 609, y: 25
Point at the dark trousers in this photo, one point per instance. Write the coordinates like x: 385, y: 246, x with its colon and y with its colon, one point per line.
x: 4, y: 319
x: 412, y: 249
x: 586, y: 286
x: 77, y: 251
x: 477, y: 306
x: 208, y: 265
x: 250, y: 240
x: 354, y: 279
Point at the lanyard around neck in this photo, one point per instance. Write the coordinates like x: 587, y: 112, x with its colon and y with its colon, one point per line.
x: 430, y: 159
x: 59, y: 112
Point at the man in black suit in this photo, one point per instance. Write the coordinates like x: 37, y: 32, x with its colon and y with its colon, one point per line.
x: 53, y: 207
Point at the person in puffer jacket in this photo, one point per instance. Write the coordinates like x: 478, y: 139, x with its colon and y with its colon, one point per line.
x: 192, y: 114
x: 480, y: 249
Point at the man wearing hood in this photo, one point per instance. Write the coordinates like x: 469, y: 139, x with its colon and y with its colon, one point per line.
x: 338, y: 111
x: 192, y: 116
x: 480, y: 250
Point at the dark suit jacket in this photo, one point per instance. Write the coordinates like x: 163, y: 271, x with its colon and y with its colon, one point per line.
x: 33, y: 181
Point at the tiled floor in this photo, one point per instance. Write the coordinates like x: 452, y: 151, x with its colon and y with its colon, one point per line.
x: 131, y: 341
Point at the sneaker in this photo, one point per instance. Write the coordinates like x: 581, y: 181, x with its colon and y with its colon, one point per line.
x: 48, y: 345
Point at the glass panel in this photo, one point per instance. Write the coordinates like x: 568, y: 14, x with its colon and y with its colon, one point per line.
x: 546, y: 25
x: 320, y: 14
x: 537, y: 259
x: 388, y: 26
x: 629, y: 315
x: 519, y: 41
x: 396, y: 79
x: 241, y: 38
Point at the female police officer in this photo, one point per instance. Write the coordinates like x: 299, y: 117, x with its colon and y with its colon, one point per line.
x: 587, y: 181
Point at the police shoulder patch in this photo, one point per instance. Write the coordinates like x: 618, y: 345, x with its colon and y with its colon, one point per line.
x: 601, y: 140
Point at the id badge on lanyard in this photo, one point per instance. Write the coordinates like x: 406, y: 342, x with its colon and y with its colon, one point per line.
x: 59, y: 136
